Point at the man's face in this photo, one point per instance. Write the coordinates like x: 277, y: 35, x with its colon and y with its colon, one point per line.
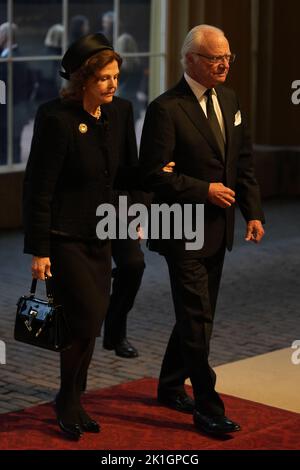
x: 203, y: 69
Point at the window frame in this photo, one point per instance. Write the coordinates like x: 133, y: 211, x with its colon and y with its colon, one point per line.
x: 10, y: 166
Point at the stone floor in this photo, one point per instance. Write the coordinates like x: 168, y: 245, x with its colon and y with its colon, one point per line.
x: 258, y: 311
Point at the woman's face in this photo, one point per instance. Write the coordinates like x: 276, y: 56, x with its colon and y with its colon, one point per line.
x: 101, y: 88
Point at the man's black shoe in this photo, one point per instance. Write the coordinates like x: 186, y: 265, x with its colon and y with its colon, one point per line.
x: 122, y: 349
x: 214, y: 425
x: 181, y: 402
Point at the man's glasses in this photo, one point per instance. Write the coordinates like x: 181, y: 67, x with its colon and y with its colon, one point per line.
x: 217, y: 59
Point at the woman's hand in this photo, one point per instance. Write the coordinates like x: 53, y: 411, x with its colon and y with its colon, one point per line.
x: 169, y: 168
x: 40, y: 267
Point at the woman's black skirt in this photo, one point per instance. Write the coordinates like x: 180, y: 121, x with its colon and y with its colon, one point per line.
x: 81, y: 273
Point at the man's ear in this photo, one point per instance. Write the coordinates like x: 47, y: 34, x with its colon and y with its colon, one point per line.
x: 190, y: 58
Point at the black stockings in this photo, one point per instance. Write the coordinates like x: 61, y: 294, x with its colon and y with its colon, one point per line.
x: 74, y: 365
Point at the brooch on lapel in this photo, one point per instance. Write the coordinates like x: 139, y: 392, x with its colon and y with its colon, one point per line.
x: 83, y: 128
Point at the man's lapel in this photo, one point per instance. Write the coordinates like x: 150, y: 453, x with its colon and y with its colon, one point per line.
x: 190, y: 105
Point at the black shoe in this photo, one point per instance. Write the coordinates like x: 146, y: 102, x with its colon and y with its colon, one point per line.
x: 214, y: 425
x: 122, y: 349
x: 72, y: 430
x: 90, y: 426
x: 87, y: 423
x: 180, y: 402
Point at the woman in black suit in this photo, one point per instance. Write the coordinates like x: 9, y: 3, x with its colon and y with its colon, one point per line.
x: 73, y: 165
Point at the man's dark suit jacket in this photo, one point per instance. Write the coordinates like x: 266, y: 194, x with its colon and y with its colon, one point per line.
x: 69, y: 173
x: 176, y: 129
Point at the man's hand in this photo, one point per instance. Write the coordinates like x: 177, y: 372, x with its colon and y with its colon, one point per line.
x: 169, y: 168
x: 40, y: 267
x: 220, y: 195
x: 255, y: 231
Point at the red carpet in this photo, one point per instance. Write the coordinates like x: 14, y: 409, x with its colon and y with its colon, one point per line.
x: 131, y: 419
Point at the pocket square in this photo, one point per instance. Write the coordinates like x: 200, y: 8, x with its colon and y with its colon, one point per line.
x: 237, y: 118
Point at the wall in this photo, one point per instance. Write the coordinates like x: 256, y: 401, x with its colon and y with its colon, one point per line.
x: 10, y: 197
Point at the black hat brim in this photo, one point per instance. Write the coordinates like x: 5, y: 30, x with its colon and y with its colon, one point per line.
x: 82, y: 50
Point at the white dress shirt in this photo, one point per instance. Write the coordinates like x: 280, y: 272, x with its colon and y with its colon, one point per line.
x: 199, y: 91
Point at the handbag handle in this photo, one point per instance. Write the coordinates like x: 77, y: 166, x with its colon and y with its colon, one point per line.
x: 48, y: 284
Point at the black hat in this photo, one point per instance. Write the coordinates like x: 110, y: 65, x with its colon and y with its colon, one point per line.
x: 81, y: 50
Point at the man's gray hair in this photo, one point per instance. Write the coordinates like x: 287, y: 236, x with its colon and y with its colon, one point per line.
x: 195, y: 38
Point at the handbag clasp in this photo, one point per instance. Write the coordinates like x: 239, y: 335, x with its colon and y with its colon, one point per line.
x: 31, y: 315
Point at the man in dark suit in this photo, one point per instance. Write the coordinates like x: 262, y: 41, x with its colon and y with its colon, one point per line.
x: 198, y: 124
x: 128, y: 257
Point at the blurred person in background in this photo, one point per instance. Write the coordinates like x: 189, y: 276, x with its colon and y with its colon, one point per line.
x: 24, y: 85
x: 78, y: 27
